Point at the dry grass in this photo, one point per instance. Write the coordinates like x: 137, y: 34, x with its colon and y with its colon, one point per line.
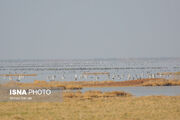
x: 108, y: 108
x: 117, y: 94
x: 74, y: 87
x: 162, y: 83
x: 77, y: 94
x: 95, y: 94
x: 177, y: 73
x: 43, y: 84
x: 81, y: 84
x: 139, y: 82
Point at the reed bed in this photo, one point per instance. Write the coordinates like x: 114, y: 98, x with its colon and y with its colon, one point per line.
x: 106, y: 108
x: 95, y: 94
x: 162, y: 83
x: 42, y: 84
x: 82, y: 84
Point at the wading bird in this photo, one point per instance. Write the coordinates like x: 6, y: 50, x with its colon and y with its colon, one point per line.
x: 75, y: 77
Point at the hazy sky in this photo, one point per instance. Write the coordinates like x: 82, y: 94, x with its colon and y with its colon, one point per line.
x: 63, y: 29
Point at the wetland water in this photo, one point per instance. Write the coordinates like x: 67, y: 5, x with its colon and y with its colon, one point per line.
x: 119, y: 69
x: 142, y: 91
x: 66, y: 70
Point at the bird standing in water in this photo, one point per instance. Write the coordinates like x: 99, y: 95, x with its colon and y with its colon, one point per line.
x: 75, y: 76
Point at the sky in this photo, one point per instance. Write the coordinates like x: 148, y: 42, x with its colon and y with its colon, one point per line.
x: 73, y: 29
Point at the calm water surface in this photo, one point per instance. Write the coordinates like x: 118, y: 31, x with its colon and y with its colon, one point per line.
x: 66, y: 70
x: 142, y: 91
x: 119, y: 69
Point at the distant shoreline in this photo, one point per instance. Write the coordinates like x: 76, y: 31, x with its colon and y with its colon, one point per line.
x: 83, y: 84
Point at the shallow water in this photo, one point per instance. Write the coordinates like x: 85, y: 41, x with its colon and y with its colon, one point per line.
x: 142, y: 91
x: 65, y: 70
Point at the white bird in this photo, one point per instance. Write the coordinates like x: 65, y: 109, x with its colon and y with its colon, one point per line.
x: 53, y: 77
x: 113, y: 77
x: 75, y: 76
x: 85, y: 76
x: 153, y: 76
x: 129, y: 77
x: 81, y: 77
x: 19, y: 78
x: 62, y: 78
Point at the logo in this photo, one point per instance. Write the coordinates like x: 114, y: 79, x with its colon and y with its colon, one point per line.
x: 29, y: 92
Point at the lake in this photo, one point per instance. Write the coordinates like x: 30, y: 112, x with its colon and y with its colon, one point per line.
x: 141, y: 91
x: 66, y: 70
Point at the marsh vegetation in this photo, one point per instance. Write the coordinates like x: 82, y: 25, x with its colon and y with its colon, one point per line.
x: 107, y: 108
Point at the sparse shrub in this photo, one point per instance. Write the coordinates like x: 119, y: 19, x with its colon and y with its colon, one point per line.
x: 96, y: 94
x: 73, y: 87
x: 72, y: 94
x: 116, y: 93
x: 93, y: 94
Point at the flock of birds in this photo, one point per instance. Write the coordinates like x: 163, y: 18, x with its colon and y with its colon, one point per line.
x: 18, y: 78
x: 109, y: 77
x: 95, y: 77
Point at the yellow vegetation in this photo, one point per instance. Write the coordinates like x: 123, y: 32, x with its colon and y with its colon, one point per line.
x: 101, y: 108
x: 162, y: 83
x: 81, y: 84
x: 95, y: 94
x: 43, y: 84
